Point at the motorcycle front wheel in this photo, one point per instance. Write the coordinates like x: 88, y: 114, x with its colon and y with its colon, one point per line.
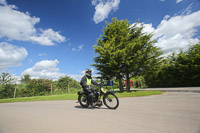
x: 111, y: 101
x: 83, y: 100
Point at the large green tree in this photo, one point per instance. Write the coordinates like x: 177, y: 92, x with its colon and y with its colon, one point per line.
x: 109, y: 49
x: 140, y: 53
x: 124, y: 51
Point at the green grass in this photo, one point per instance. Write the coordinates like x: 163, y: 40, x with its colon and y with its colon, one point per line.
x: 41, y: 98
x: 74, y: 96
x: 137, y: 93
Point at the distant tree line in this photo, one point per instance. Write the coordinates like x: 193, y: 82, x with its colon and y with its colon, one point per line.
x: 35, y: 87
x: 178, y: 70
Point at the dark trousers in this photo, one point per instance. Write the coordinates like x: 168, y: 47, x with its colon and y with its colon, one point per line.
x: 90, y: 95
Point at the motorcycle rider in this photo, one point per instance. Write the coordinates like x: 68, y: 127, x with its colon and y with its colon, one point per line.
x: 86, y: 81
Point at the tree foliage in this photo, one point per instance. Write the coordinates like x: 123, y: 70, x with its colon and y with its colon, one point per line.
x: 66, y: 82
x: 6, y: 86
x: 35, y: 87
x: 178, y: 70
x: 6, y: 78
x: 124, y: 51
x: 26, y: 78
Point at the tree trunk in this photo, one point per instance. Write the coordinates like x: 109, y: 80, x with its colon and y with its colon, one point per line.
x: 138, y: 83
x: 120, y: 84
x: 68, y: 88
x: 128, y: 83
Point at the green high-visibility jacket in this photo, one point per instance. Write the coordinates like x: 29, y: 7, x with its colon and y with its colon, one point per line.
x: 89, y: 81
x: 85, y: 82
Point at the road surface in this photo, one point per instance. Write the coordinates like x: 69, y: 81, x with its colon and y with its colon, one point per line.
x: 171, y: 112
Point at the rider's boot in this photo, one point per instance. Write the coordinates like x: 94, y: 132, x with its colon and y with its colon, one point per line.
x: 94, y: 104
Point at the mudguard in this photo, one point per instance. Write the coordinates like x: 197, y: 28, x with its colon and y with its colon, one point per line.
x: 107, y: 91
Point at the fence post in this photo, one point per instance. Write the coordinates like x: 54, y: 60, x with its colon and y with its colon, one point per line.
x: 68, y: 87
x: 15, y: 90
x: 51, y: 88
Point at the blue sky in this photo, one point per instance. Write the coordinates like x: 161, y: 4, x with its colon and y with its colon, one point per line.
x: 54, y: 38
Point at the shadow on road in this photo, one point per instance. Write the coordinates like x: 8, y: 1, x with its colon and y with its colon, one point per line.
x: 79, y: 107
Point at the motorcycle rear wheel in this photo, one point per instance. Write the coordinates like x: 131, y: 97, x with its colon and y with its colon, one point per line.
x: 83, y: 100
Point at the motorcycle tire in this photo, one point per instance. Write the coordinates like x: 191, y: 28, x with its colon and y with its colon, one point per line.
x: 111, y: 101
x: 83, y: 100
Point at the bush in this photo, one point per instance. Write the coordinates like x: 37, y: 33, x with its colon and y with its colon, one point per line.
x: 6, y: 91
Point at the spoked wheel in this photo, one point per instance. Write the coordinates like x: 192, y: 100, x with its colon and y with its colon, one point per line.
x: 83, y: 100
x: 111, y: 101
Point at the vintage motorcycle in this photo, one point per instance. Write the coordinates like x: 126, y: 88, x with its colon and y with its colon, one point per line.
x: 110, y: 100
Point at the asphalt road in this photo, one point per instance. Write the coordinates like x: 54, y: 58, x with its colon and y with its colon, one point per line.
x: 172, y: 112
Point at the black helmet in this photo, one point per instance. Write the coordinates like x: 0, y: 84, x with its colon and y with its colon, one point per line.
x: 88, y: 73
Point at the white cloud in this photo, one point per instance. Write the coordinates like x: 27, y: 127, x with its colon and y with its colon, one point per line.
x: 3, y: 2
x: 48, y: 37
x: 80, y: 47
x: 16, y: 25
x: 46, y: 69
x: 175, y: 33
x: 76, y: 77
x: 103, y: 8
x: 178, y: 32
x: 11, y: 55
x: 166, y: 17
x: 178, y: 1
x: 148, y: 28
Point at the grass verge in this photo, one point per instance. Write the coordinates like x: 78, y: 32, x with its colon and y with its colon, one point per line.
x: 137, y: 93
x: 74, y: 96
